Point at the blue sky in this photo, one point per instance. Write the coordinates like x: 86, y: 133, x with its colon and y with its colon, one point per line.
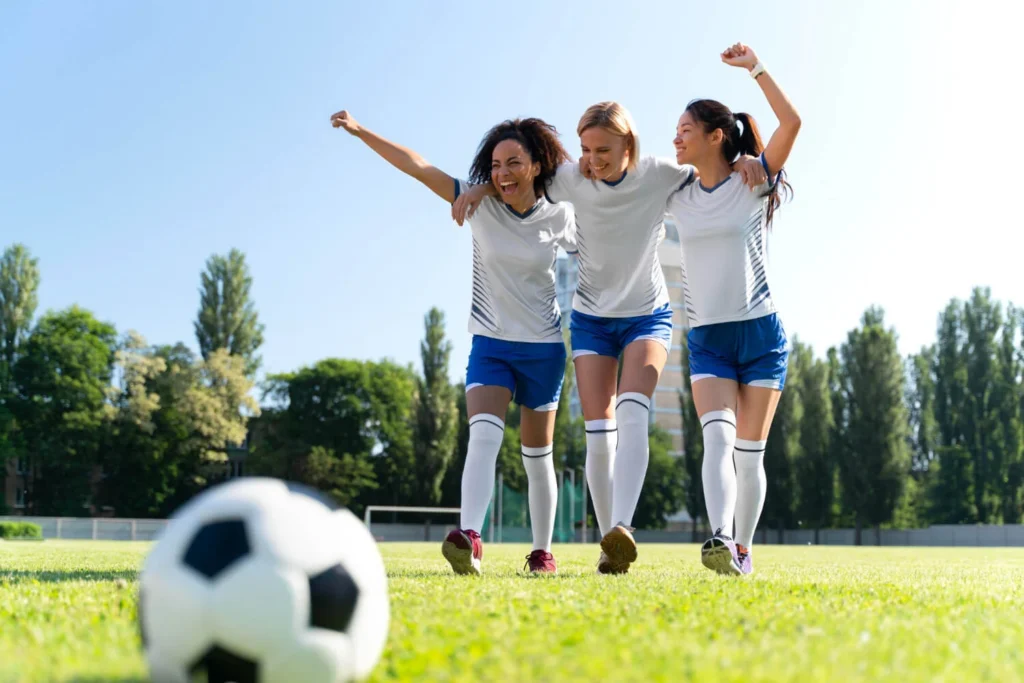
x: 138, y: 138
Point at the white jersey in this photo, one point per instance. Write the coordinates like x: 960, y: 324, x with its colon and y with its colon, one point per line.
x: 514, y: 269
x: 618, y: 228
x: 723, y: 234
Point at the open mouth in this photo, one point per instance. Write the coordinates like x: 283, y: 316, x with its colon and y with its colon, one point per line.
x: 509, y: 187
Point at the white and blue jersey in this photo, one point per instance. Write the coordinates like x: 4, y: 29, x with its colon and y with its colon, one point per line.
x: 619, y: 226
x: 514, y: 316
x: 621, y: 296
x: 735, y: 332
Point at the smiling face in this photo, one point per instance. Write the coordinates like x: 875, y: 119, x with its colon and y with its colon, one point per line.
x: 691, y: 142
x: 607, y: 152
x: 513, y: 172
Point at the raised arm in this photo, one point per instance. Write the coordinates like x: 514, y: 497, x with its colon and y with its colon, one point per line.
x: 776, y: 153
x: 405, y: 160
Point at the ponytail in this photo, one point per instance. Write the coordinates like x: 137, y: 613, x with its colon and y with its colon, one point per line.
x: 741, y: 137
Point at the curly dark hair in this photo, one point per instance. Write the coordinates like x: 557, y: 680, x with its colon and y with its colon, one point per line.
x: 538, y: 138
x: 741, y: 139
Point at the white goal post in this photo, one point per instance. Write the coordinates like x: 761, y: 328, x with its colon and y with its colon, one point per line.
x: 370, y: 509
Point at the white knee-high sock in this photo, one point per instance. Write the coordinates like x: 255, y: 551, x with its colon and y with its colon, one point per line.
x: 486, y: 433
x: 602, y: 437
x: 632, y: 413
x: 718, y: 470
x: 540, y: 475
x: 751, y: 487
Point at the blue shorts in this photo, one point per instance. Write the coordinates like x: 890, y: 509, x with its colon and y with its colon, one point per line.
x: 753, y: 352
x: 609, y: 336
x: 532, y: 371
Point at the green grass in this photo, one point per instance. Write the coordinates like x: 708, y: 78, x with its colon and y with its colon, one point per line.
x: 67, y: 612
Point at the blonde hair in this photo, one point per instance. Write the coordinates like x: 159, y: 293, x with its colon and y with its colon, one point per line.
x: 616, y: 119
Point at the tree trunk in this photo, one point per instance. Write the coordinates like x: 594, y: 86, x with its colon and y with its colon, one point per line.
x: 856, y: 533
x: 693, y: 532
x: 781, y: 532
x: 878, y: 535
x: 817, y: 536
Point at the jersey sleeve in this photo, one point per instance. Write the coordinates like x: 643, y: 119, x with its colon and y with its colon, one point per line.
x: 669, y: 175
x: 560, y: 187
x: 460, y: 187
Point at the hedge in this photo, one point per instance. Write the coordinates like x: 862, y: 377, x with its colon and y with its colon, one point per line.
x: 20, y: 530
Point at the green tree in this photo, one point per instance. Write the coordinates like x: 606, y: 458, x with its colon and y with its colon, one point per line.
x: 436, y: 417
x: 839, y: 447
x: 451, y: 488
x: 19, y: 284
x: 664, y: 491
x: 923, y: 434
x: 135, y: 456
x: 61, y: 381
x: 363, y: 410
x: 877, y: 430
x: 175, y: 419
x: 227, y: 316
x: 693, y: 448
x: 953, y: 500
x: 782, y: 452
x: 1007, y: 400
x: 921, y: 407
x: 982, y: 323
x: 816, y: 468
x: 343, y: 477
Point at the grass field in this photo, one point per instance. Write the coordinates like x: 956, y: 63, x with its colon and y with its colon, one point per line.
x: 67, y: 613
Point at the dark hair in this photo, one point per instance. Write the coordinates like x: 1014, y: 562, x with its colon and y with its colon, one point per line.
x: 740, y: 136
x: 538, y: 138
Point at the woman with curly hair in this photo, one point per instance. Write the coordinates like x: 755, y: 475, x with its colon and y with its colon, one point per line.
x: 517, y: 351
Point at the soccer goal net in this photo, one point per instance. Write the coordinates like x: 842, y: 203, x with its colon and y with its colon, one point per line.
x: 507, y: 519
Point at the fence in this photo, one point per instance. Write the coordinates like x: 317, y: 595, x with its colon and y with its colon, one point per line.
x: 515, y: 529
x: 96, y: 529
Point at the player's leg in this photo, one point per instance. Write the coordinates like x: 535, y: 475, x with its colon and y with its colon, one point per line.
x: 715, y: 389
x: 715, y: 399
x: 762, y: 378
x: 595, y: 356
x: 756, y: 411
x: 489, y: 386
x: 645, y: 341
x: 538, y: 387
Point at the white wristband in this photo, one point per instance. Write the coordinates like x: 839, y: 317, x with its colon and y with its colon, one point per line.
x: 757, y: 70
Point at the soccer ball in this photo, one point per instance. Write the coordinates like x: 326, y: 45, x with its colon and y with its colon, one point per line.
x: 258, y: 580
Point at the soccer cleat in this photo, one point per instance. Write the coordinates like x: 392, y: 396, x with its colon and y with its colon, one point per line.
x: 605, y: 566
x: 618, y: 551
x: 719, y: 554
x: 745, y: 562
x: 541, y: 562
x: 464, y: 551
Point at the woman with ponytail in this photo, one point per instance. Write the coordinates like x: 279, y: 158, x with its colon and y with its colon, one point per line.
x: 517, y: 353
x: 738, y: 346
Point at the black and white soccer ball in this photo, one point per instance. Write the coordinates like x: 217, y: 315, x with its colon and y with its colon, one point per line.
x: 259, y: 581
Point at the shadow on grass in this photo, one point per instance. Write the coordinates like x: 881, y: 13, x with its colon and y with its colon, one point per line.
x: 23, y: 576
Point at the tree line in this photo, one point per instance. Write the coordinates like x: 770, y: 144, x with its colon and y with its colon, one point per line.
x: 863, y: 437
x: 866, y: 438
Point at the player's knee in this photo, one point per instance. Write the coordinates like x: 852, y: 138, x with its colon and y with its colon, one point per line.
x: 719, y: 426
x: 486, y: 430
